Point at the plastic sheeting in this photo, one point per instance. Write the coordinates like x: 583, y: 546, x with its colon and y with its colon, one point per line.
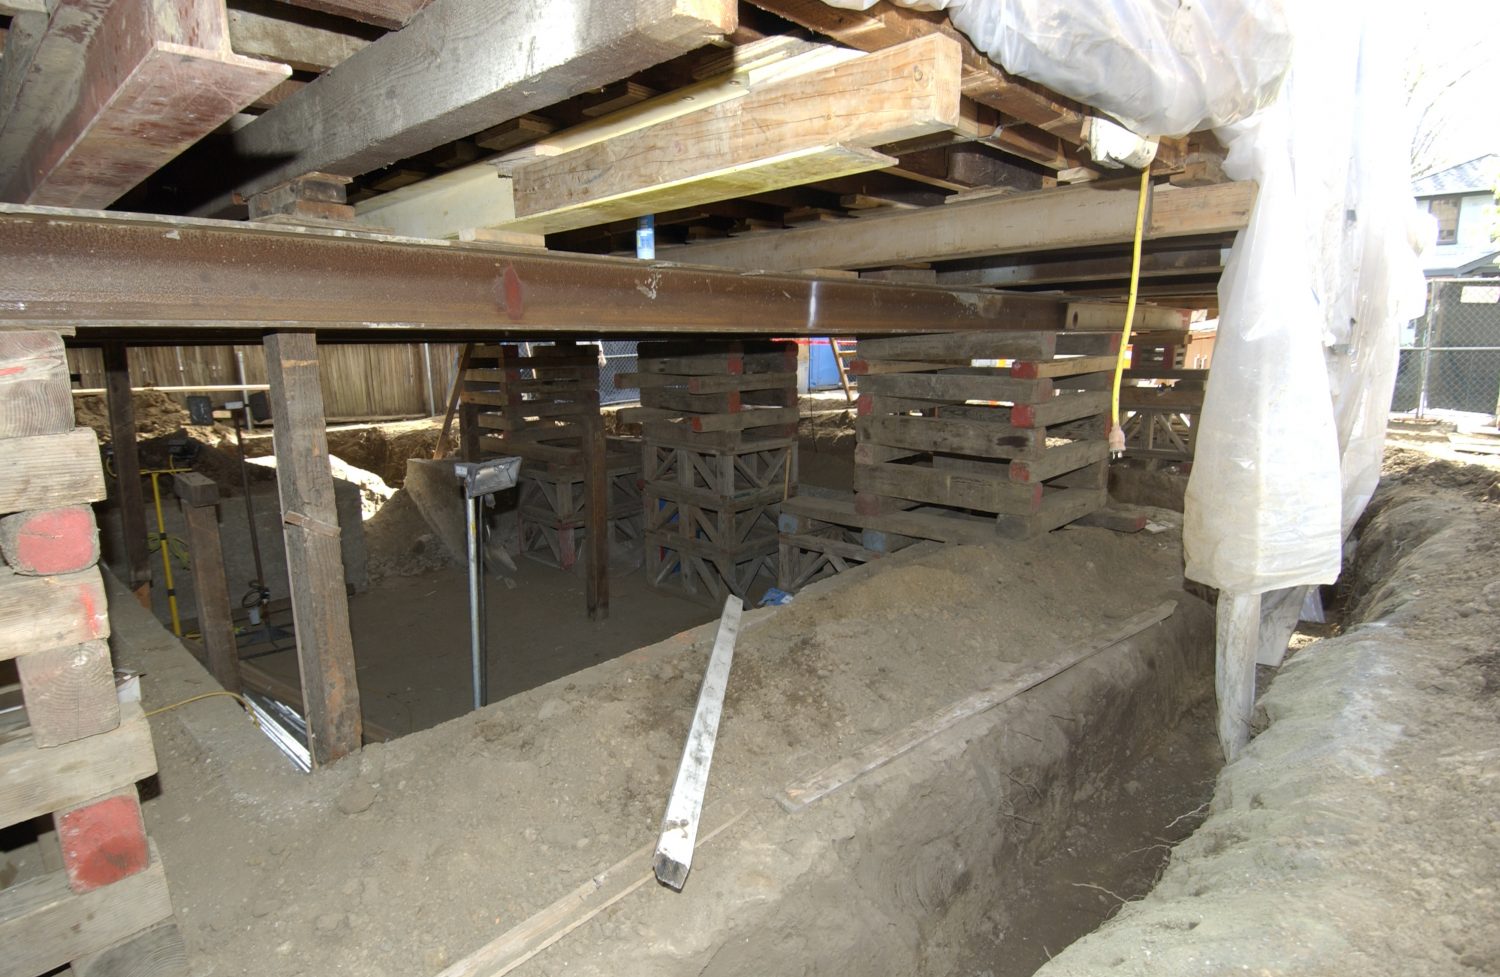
x: 1315, y: 289
x: 1161, y: 67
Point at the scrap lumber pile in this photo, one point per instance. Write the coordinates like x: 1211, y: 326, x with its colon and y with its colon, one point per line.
x: 719, y: 454
x: 104, y: 907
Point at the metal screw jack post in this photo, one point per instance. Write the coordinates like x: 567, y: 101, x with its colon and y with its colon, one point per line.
x: 481, y: 480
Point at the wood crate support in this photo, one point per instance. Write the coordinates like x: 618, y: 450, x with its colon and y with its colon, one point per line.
x: 83, y: 750
x: 1008, y: 424
x: 719, y: 454
x: 541, y: 403
x: 554, y: 506
x: 320, y: 606
x: 200, y: 509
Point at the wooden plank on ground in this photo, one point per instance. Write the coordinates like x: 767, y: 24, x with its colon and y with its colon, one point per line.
x: 38, y: 613
x: 320, y: 606
x: 36, y: 781
x: 764, y: 141
x: 1045, y: 220
x: 497, y: 63
x: 47, y: 471
x: 679, y: 825
x: 44, y: 925
x: 800, y: 795
x: 34, y: 397
x: 124, y: 87
x: 539, y: 931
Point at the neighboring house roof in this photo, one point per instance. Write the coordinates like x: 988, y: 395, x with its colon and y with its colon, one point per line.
x: 1453, y: 261
x: 1478, y: 175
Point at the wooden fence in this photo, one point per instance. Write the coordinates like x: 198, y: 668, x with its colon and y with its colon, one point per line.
x: 360, y: 380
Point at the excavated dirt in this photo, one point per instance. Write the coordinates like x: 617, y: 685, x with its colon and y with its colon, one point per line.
x: 416, y: 852
x: 1357, y: 835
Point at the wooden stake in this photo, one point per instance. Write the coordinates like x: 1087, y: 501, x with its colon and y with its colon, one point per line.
x: 200, y: 510
x: 1238, y: 638
x: 596, y: 483
x: 320, y: 607
x: 127, y: 467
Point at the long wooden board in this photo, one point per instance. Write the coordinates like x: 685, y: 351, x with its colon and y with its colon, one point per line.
x: 966, y: 490
x: 814, y: 127
x: 1047, y: 220
x: 798, y: 796
x: 497, y: 62
x: 124, y: 87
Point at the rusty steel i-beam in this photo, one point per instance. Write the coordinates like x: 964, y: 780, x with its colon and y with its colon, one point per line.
x: 150, y: 278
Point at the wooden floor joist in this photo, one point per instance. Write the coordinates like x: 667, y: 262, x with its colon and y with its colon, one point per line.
x: 497, y: 63
x: 787, y: 134
x: 1073, y: 217
x: 117, y: 89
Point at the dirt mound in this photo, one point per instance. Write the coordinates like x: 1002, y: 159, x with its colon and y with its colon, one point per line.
x: 400, y: 542
x: 156, y: 413
x: 384, y: 449
x: 217, y: 461
x: 1412, y: 464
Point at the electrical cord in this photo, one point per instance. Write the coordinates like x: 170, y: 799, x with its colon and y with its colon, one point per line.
x: 1116, y: 431
x: 209, y: 695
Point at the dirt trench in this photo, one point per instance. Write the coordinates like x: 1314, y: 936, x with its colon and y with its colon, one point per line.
x: 1357, y: 834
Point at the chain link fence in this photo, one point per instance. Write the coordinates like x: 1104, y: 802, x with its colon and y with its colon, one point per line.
x: 1450, y: 357
x: 619, y: 357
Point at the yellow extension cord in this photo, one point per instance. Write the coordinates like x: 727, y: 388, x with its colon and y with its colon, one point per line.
x: 1116, y: 432
x: 209, y: 695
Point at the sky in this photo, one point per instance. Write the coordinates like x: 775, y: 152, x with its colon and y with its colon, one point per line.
x: 1453, y: 82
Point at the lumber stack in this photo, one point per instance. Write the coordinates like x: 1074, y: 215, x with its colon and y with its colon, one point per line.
x: 105, y: 909
x: 719, y: 454
x: 1011, y: 425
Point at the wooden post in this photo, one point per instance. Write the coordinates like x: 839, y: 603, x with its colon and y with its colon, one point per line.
x: 127, y: 470
x: 596, y: 483
x: 200, y: 510
x: 1238, y: 638
x: 315, y: 565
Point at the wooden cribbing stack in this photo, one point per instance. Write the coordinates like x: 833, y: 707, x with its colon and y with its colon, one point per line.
x: 541, y: 404
x: 554, y: 507
x: 105, y: 910
x: 719, y: 454
x: 952, y: 446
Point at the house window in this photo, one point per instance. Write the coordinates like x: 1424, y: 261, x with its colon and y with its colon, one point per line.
x: 1445, y: 209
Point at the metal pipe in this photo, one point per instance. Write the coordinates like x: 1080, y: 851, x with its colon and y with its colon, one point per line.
x: 427, y: 379
x: 183, y: 389
x: 478, y: 636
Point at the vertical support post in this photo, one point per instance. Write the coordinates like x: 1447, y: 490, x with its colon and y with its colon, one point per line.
x: 127, y: 470
x: 596, y: 484
x: 478, y: 624
x: 1238, y: 639
x: 315, y: 565
x: 200, y: 510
